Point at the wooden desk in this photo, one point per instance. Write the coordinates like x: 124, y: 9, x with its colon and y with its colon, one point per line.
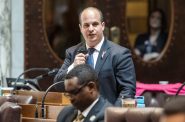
x: 52, y: 98
x: 29, y: 110
x: 54, y: 103
x: 27, y: 119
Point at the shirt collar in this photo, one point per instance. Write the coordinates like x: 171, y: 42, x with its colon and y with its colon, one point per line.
x: 87, y: 110
x: 98, y: 46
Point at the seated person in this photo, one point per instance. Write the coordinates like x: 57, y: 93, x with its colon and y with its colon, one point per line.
x: 174, y: 111
x: 82, y: 88
x: 149, y: 45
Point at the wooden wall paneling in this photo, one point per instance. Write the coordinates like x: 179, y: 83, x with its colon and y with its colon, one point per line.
x: 37, y: 51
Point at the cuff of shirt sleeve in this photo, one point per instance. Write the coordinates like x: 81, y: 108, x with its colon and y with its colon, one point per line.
x: 70, y: 68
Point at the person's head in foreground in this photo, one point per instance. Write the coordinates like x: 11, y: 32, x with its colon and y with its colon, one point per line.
x: 174, y: 111
x: 81, y: 86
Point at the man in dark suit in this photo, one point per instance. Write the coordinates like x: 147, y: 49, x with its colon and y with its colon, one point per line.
x: 81, y: 86
x: 113, y: 63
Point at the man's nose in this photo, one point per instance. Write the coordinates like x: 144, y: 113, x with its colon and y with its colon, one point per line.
x: 91, y: 28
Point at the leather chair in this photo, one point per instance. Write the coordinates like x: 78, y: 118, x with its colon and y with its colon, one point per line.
x: 20, y: 99
x: 10, y: 112
x: 157, y: 99
x: 4, y: 99
x: 115, y: 114
x: 25, y: 99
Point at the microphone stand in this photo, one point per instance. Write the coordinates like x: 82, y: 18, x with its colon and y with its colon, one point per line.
x: 44, y: 97
x: 31, y: 69
x: 180, y: 88
x: 50, y: 73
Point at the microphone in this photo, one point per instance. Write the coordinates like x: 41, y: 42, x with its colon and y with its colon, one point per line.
x: 50, y: 73
x: 24, y: 83
x: 44, y: 97
x: 31, y: 69
x: 180, y: 88
x: 82, y: 50
x: 33, y: 83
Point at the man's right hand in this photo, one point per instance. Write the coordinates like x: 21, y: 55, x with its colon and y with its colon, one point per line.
x: 80, y: 59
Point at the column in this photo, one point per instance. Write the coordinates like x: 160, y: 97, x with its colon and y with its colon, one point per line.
x: 5, y: 39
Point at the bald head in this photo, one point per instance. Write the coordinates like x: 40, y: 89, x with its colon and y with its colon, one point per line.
x: 91, y: 26
x: 89, y: 10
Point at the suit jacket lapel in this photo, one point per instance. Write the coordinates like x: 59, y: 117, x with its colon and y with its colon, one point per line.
x: 104, y: 53
x: 72, y: 116
x: 95, y: 110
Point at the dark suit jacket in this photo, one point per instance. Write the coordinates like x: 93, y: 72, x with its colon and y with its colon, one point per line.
x: 114, y: 67
x: 69, y: 113
x: 142, y: 39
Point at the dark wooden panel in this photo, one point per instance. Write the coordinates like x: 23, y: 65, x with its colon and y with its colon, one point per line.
x: 37, y: 51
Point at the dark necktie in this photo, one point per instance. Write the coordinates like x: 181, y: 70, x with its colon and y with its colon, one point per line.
x: 90, y: 59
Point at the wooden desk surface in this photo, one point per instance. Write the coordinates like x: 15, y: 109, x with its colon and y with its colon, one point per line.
x: 29, y: 110
x: 52, y: 98
x: 27, y: 119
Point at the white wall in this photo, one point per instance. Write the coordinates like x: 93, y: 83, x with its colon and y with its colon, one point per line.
x: 17, y: 20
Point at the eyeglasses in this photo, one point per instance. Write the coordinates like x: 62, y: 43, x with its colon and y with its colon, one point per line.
x: 75, y: 91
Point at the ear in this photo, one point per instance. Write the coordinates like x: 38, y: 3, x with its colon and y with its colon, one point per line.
x: 103, y: 25
x: 80, y: 26
x: 92, y: 85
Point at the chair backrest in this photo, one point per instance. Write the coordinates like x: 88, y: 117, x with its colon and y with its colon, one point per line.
x: 158, y: 98
x: 4, y: 99
x: 20, y: 99
x: 10, y: 112
x: 155, y: 99
x: 115, y: 114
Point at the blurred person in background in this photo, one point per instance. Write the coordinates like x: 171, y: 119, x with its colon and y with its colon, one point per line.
x: 150, y: 44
